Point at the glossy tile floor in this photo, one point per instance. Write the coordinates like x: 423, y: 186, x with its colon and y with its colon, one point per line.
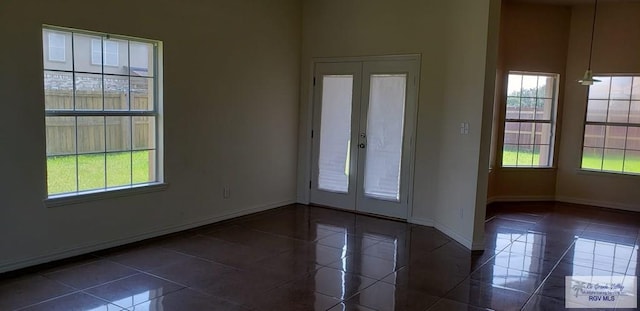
x: 309, y: 258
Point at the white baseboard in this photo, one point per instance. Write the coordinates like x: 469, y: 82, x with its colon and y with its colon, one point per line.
x: 520, y: 198
x: 477, y: 246
x: 92, y: 247
x: 422, y: 221
x: 454, y: 235
x: 626, y: 207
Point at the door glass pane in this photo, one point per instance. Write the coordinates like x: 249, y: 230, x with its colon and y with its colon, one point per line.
x: 335, y: 133
x: 385, y: 124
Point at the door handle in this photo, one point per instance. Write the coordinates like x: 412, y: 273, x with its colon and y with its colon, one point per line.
x: 361, y: 146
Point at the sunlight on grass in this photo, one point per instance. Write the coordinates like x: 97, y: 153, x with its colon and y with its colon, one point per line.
x: 525, y: 159
x: 630, y: 165
x: 121, y: 169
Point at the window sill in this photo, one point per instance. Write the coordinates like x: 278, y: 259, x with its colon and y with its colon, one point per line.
x: 582, y: 171
x: 96, y: 195
x: 515, y: 168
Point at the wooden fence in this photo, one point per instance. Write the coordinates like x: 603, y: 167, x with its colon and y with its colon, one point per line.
x: 97, y: 134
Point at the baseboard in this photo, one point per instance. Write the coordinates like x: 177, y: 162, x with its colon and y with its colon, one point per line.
x: 520, y: 198
x: 422, y: 221
x: 477, y: 246
x: 92, y: 247
x: 626, y: 207
x: 454, y: 235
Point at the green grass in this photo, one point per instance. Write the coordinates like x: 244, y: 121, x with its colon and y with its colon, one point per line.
x: 122, y: 169
x: 629, y: 165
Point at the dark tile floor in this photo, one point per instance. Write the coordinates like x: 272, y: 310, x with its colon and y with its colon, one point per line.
x: 309, y: 258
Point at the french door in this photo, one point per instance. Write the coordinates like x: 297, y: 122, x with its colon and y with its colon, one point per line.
x: 363, y: 129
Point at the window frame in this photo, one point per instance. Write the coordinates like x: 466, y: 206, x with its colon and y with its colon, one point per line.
x: 51, y: 47
x: 606, y: 124
x: 57, y: 199
x: 552, y: 121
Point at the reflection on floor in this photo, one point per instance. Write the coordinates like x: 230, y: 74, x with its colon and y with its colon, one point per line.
x: 309, y: 258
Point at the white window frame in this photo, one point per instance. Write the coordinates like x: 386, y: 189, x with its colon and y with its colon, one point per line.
x: 52, y: 47
x: 156, y: 112
x: 110, y: 52
x: 606, y: 124
x: 551, y: 121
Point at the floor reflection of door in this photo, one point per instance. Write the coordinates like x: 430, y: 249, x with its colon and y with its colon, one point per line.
x: 364, y: 121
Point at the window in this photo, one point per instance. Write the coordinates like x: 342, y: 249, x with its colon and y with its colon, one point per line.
x: 109, y: 50
x: 530, y: 120
x: 102, y: 124
x: 612, y: 127
x: 57, y: 47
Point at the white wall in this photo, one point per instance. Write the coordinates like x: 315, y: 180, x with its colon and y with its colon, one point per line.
x: 451, y: 36
x: 231, y: 85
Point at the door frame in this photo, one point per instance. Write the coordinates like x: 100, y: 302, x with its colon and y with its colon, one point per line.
x: 411, y: 117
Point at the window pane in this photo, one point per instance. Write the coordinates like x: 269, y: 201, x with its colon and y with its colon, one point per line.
x: 618, y: 111
x: 543, y: 134
x: 116, y: 56
x: 511, y: 133
x: 525, y: 155
x: 91, y: 171
x: 600, y: 90
x: 544, y: 108
x: 385, y: 124
x: 144, y: 166
x: 513, y: 107
x: 142, y: 93
x: 509, y: 155
x: 635, y: 94
x: 592, y: 158
x: 61, y: 135
x: 88, y: 91
x: 545, y: 87
x: 541, y: 155
x: 118, y: 169
x: 529, y: 86
x: 141, y: 59
x: 116, y: 93
x: 594, y: 136
x: 91, y: 135
x: 527, y: 108
x: 632, y: 162
x: 621, y: 87
x: 613, y: 160
x: 118, y: 133
x: 58, y: 90
x: 87, y: 54
x: 597, y: 110
x: 56, y: 50
x: 634, y: 113
x: 526, y: 133
x: 144, y: 129
x: 633, y: 138
x: 615, y: 137
x: 514, y: 85
x: 61, y: 174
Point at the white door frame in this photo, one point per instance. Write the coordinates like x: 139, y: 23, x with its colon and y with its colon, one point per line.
x: 410, y: 119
